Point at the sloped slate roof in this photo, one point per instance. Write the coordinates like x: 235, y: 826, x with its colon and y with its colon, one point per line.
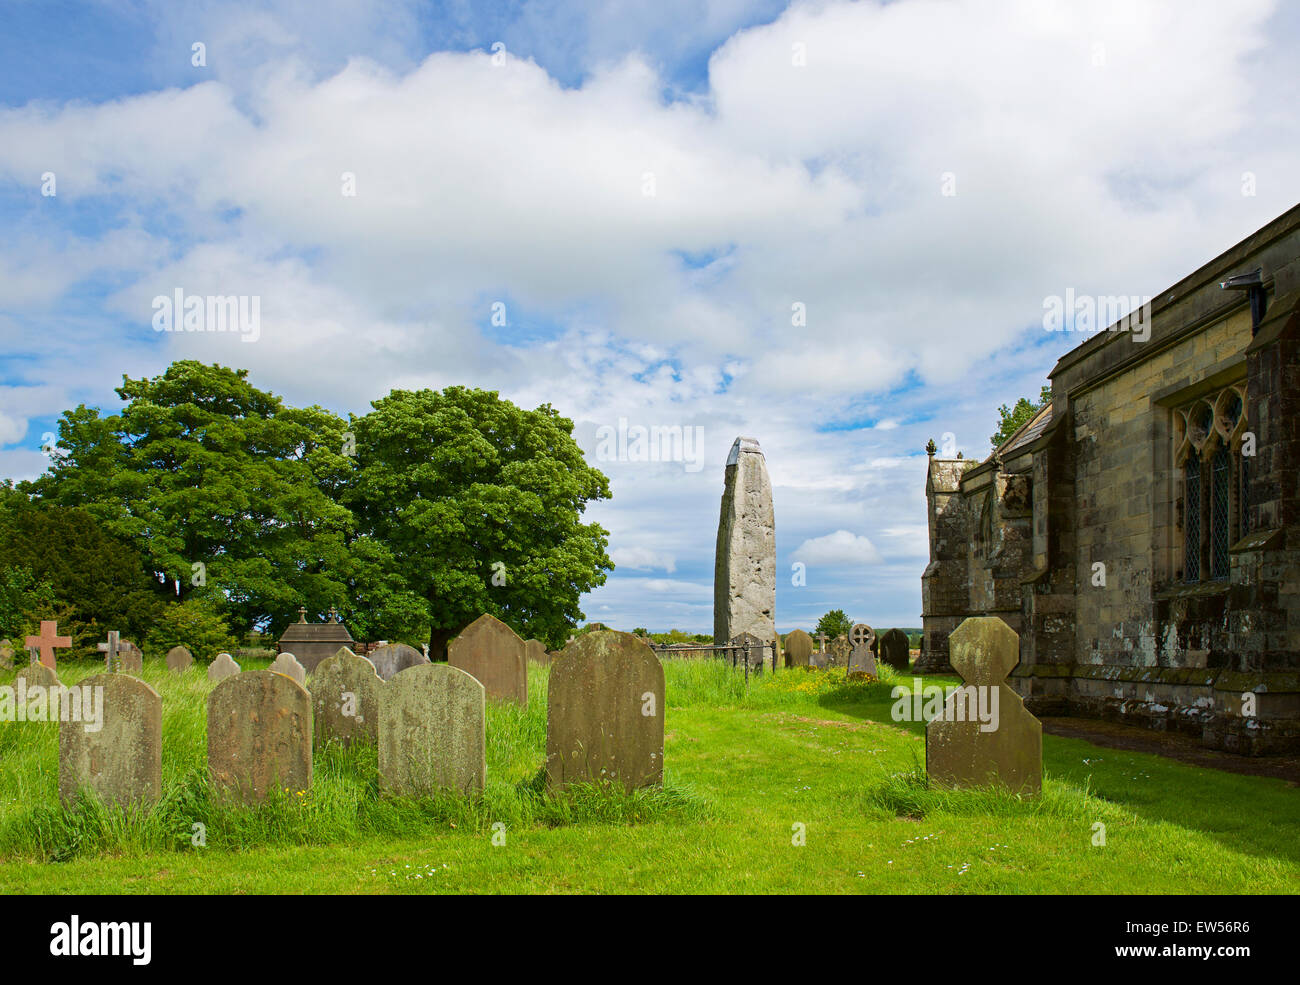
x: 323, y: 632
x: 1027, y: 432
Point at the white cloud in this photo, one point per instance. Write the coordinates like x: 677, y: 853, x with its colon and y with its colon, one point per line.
x: 838, y: 548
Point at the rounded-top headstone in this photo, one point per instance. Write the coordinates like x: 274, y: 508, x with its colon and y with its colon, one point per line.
x: 393, y: 658
x: 983, y: 650
x: 120, y: 760
x: 130, y: 658
x: 36, y: 673
x: 179, y: 659
x: 604, y: 716
x: 432, y: 732
x: 345, y: 694
x: 798, y: 649
x: 259, y: 736
x: 895, y: 649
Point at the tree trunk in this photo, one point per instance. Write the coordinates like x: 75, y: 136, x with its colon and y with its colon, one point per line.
x: 438, y: 640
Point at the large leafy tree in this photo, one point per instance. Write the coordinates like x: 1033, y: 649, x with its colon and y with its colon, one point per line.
x: 480, y: 505
x: 201, y: 468
x: 1011, y: 419
x: 834, y: 623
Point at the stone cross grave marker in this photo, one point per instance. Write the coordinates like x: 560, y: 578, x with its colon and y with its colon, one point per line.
x: 121, y: 761
x: 798, y: 649
x: 432, y: 732
x: 48, y: 641
x: 179, y: 659
x: 985, y: 734
x: 861, y: 659
x: 605, y: 713
x: 345, y: 694
x: 286, y: 663
x: 221, y: 668
x: 392, y: 659
x: 259, y: 736
x: 895, y: 649
x: 109, y: 650
x: 490, y: 650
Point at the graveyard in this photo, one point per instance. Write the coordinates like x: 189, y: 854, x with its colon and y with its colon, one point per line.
x: 798, y: 781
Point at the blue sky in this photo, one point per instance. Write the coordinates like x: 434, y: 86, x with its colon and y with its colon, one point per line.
x: 617, y: 209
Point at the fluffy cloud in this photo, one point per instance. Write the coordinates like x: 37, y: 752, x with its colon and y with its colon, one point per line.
x: 840, y: 548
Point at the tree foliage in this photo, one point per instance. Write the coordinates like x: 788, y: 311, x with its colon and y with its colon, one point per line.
x: 1011, y: 419
x: 480, y: 504
x: 195, y: 624
x: 834, y: 623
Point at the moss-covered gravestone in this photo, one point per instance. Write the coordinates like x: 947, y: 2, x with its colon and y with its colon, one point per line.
x: 432, y: 732
x: 37, y: 674
x: 345, y: 693
x: 838, y: 652
x: 604, y: 716
x: 393, y: 658
x: 985, y: 735
x: 259, y: 736
x: 536, y: 652
x: 798, y: 649
x: 119, y: 758
x: 6, y: 655
x: 862, y: 660
x: 490, y: 650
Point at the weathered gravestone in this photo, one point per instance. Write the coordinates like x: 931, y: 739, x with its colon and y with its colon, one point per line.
x: 861, y: 658
x: 837, y: 654
x: 179, y: 659
x: 895, y: 649
x: 345, y: 699
x: 391, y: 660
x: 37, y: 674
x: 604, y: 715
x: 536, y: 651
x: 120, y: 762
x: 490, y: 650
x: 432, y: 732
x: 985, y: 734
x: 6, y: 655
x: 798, y: 649
x: 130, y: 658
x: 286, y: 663
x: 221, y: 668
x: 752, y: 652
x: 259, y: 736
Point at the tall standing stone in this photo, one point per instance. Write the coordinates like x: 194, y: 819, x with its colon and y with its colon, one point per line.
x: 744, y: 571
x: 494, y: 654
x: 259, y: 736
x: 432, y: 732
x: 798, y: 649
x: 962, y: 749
x: 393, y: 658
x: 604, y: 715
x: 221, y: 668
x: 179, y: 659
x: 121, y: 761
x: 345, y: 694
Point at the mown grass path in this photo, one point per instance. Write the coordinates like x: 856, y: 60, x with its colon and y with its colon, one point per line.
x: 747, y: 772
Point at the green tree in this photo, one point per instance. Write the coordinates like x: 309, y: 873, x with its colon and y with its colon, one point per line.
x: 22, y: 599
x: 480, y: 505
x: 195, y: 624
x: 1011, y: 419
x: 93, y: 581
x: 834, y: 623
x: 228, y: 493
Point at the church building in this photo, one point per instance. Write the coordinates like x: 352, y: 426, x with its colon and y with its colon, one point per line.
x: 1142, y: 531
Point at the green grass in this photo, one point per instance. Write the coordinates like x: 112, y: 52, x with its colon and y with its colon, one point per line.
x: 748, y: 769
